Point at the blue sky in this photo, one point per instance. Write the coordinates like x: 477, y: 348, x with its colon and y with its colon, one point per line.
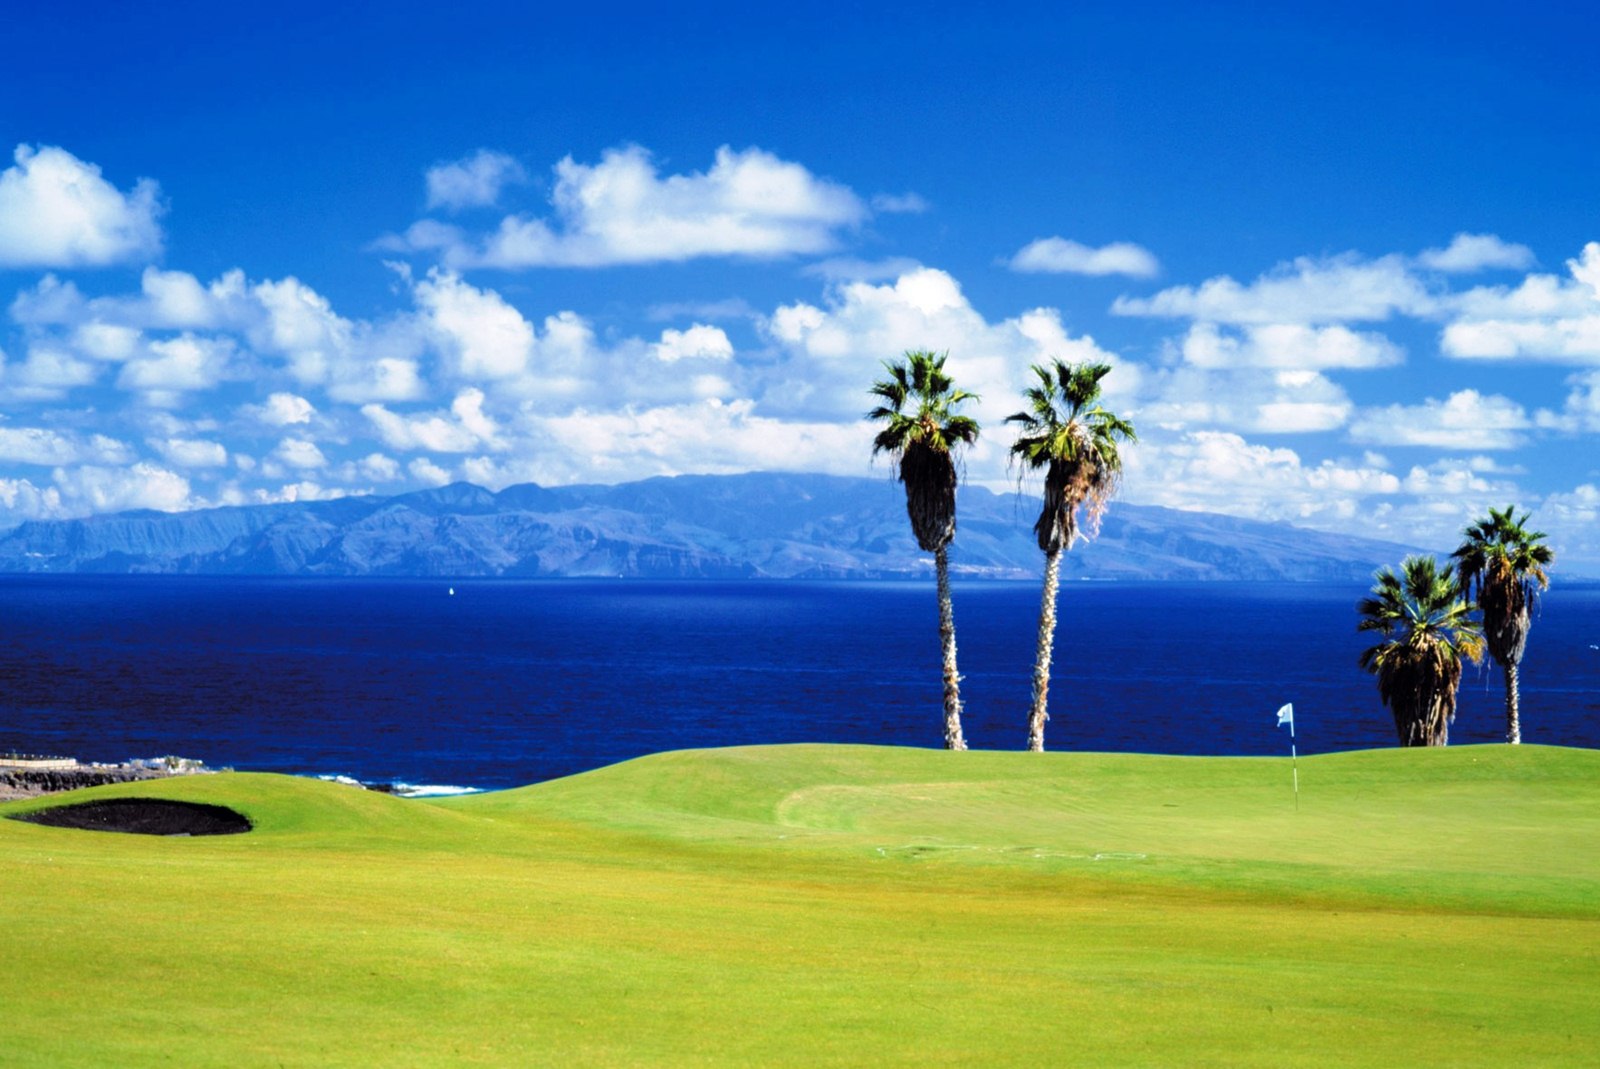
x: 1344, y: 263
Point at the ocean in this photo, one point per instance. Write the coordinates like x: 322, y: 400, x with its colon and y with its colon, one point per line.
x: 498, y: 683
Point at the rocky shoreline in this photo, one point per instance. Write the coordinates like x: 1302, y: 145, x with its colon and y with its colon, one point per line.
x: 29, y: 778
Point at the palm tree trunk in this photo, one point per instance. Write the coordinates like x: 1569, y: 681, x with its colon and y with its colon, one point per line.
x: 947, y: 642
x: 1042, y: 655
x: 1513, y: 703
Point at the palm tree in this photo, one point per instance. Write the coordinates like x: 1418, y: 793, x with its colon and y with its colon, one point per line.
x: 921, y: 433
x: 1426, y: 620
x: 1065, y: 431
x: 1503, y: 563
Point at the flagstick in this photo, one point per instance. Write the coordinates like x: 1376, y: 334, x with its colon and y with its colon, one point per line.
x: 1294, y: 763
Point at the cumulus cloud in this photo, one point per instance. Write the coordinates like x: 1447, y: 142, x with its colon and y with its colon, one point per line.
x: 699, y: 341
x: 301, y: 454
x: 465, y: 429
x: 1061, y: 256
x: 836, y: 348
x: 90, y: 488
x: 711, y: 436
x: 37, y: 445
x: 623, y: 211
x: 191, y: 452
x: 424, y: 470
x: 50, y: 371
x: 281, y: 409
x: 484, y: 337
x: 1308, y: 290
x: 1544, y: 317
x: 1219, y: 471
x: 1477, y: 252
x: 1275, y: 402
x: 1581, y: 413
x: 57, y: 211
x: 1464, y: 420
x: 1287, y: 345
x: 473, y: 182
x: 177, y: 365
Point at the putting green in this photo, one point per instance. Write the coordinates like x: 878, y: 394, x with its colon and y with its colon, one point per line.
x: 831, y: 905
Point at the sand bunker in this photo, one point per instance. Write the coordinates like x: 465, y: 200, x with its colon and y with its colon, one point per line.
x: 142, y: 816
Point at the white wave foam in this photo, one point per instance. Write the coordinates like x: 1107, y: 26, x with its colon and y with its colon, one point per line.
x: 432, y: 790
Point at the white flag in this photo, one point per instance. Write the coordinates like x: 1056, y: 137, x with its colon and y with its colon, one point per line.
x: 1286, y: 716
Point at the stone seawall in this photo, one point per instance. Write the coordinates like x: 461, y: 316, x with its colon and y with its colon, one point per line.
x: 27, y: 782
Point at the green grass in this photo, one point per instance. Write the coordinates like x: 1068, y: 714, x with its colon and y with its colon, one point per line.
x: 831, y: 905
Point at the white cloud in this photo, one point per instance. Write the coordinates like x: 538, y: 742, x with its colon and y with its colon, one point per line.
x: 837, y: 350
x: 483, y: 336
x: 710, y: 436
x: 699, y: 341
x: 1582, y: 410
x: 1457, y: 481
x: 378, y: 468
x: 176, y: 365
x: 1477, y: 252
x: 1217, y: 471
x: 57, y: 211
x: 1307, y: 290
x: 466, y: 429
x: 192, y: 452
x: 472, y: 182
x: 1544, y: 317
x: 90, y: 489
x: 1275, y: 402
x: 621, y: 211
x: 36, y: 445
x: 22, y: 500
x: 282, y: 409
x: 425, y: 470
x: 1061, y: 256
x: 301, y: 454
x: 1464, y: 420
x: 49, y: 372
x: 1287, y: 345
x: 105, y: 341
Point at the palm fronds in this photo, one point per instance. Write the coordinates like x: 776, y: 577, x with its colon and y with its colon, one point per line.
x: 1425, y: 619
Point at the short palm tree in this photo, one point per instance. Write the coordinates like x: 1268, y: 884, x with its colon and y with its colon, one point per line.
x: 1426, y: 621
x: 1503, y: 563
x: 921, y: 432
x: 1065, y: 431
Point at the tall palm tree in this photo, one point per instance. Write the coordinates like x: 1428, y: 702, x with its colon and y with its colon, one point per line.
x: 1426, y: 621
x: 1065, y: 431
x: 1503, y: 563
x: 921, y: 432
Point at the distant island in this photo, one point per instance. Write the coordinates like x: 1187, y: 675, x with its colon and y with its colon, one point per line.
x: 756, y: 526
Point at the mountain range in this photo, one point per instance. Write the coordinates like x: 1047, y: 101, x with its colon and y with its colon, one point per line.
x: 764, y: 525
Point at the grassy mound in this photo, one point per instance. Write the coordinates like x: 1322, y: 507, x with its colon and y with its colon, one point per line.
x: 816, y: 905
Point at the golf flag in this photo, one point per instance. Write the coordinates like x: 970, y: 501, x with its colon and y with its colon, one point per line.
x: 1286, y: 716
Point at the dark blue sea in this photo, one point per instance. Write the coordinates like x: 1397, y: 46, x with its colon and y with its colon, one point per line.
x: 509, y: 682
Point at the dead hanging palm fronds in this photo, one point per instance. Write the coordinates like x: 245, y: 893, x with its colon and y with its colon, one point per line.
x: 1065, y: 431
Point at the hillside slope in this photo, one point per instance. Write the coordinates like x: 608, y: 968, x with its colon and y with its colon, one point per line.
x: 783, y: 526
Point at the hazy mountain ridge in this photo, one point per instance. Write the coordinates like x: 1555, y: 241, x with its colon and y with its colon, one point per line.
x: 735, y: 526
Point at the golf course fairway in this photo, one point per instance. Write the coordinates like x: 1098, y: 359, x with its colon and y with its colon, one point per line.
x: 831, y: 905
